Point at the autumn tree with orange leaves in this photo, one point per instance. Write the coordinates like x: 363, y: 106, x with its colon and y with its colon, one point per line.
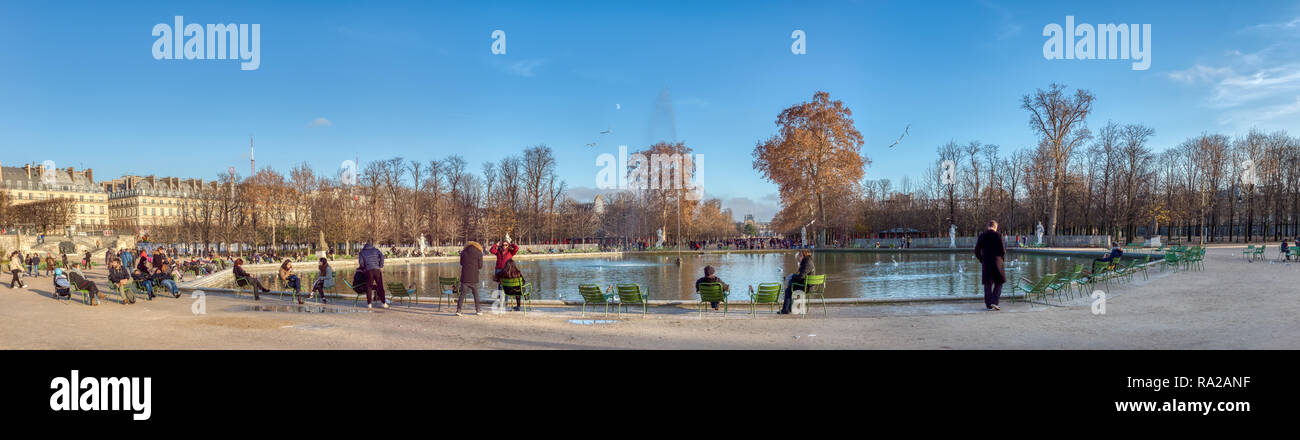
x: 816, y: 153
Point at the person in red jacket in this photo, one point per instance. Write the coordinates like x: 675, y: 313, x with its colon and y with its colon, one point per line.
x: 504, y: 252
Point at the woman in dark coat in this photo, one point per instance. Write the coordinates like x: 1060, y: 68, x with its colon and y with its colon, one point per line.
x: 991, y: 251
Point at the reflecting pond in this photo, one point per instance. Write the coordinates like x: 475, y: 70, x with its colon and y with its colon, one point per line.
x: 850, y: 274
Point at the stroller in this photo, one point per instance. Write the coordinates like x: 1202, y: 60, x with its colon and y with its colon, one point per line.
x: 62, y: 287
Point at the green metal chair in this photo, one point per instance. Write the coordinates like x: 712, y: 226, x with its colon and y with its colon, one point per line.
x: 1034, y: 289
x: 399, y: 290
x: 448, y: 288
x: 712, y: 292
x: 1066, y: 281
x: 246, y: 283
x: 813, y: 285
x: 525, y: 291
x: 126, y: 293
x: 1142, y: 267
x: 768, y: 293
x: 135, y: 284
x: 356, y: 299
x: 1171, y: 259
x: 1259, y: 252
x: 631, y: 294
x: 86, y: 297
x: 591, y: 294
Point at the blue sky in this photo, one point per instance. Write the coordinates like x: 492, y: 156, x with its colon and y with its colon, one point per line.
x: 78, y: 83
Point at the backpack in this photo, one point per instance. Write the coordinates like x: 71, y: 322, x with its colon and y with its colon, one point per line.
x: 360, y: 282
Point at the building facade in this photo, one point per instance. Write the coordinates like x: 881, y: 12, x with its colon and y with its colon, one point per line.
x: 136, y: 203
x: 28, y: 183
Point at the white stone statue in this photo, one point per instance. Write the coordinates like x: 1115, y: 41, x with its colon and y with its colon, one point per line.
x: 423, y: 245
x: 1039, y: 231
x: 952, y: 236
x: 660, y: 243
x: 803, y: 237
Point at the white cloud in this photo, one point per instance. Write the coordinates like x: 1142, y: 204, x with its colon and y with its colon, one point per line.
x: 320, y: 122
x: 524, y: 68
x: 1251, y: 89
x: 1294, y: 24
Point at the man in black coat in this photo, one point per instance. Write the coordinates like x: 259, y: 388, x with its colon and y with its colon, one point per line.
x: 991, y: 251
x: 471, y: 263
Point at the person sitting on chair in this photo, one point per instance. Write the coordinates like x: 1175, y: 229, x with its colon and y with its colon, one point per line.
x: 805, y: 269
x: 162, y: 276
x: 80, y: 282
x: 325, y: 280
x: 142, y: 277
x: 291, y: 279
x: 512, y: 271
x: 1115, y: 253
x: 120, y: 278
x: 709, y: 277
x: 242, y: 278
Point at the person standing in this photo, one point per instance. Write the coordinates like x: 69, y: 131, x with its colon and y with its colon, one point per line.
x: 33, y: 265
x: 471, y: 262
x: 991, y: 253
x: 504, y: 252
x: 126, y: 257
x: 16, y: 268
x: 372, y: 261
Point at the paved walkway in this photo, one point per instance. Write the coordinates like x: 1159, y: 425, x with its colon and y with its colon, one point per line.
x: 1231, y: 304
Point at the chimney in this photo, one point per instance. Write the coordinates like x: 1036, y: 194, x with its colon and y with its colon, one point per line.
x: 90, y: 175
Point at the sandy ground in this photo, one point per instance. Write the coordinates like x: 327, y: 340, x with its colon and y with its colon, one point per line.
x: 1232, y: 304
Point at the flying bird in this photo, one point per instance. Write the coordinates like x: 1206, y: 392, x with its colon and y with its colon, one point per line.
x: 900, y: 137
x: 607, y: 131
x: 593, y: 144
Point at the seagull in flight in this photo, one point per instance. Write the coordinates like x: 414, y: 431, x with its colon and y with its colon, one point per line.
x: 900, y: 137
x: 607, y: 131
x: 593, y: 144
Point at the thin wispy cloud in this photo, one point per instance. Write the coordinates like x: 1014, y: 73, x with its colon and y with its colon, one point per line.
x: 524, y: 68
x: 1292, y: 25
x: 320, y: 122
x: 1252, y: 88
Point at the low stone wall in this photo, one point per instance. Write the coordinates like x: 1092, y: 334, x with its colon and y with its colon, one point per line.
x: 224, y: 276
x: 27, y: 243
x: 1097, y: 241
